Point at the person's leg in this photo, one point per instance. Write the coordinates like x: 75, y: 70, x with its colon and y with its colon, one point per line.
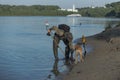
x: 55, y: 46
x: 68, y: 42
x: 67, y: 51
x: 71, y: 50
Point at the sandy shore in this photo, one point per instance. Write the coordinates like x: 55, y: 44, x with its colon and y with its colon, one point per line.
x: 103, y: 63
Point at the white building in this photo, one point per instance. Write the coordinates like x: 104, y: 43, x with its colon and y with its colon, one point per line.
x: 72, y: 10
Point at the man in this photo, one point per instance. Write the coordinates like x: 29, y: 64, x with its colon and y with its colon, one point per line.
x: 62, y: 32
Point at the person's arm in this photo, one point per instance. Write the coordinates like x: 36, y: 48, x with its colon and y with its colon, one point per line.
x: 50, y: 29
x: 57, y: 31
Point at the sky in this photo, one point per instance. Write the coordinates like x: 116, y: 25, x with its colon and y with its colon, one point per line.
x: 60, y: 3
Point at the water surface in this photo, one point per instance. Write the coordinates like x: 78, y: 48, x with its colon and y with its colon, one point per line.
x: 26, y: 51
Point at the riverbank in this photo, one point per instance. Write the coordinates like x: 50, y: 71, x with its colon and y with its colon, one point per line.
x: 103, y: 63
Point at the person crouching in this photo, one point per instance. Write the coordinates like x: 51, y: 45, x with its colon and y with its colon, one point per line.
x: 62, y: 32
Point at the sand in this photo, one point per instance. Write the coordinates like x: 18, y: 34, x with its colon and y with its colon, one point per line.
x: 103, y: 62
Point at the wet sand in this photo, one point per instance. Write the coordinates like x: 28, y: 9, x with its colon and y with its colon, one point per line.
x: 103, y: 62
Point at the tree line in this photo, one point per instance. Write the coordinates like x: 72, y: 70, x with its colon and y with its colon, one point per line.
x: 110, y: 10
x: 33, y: 10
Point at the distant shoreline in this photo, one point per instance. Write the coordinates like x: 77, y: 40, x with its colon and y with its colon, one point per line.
x: 110, y: 10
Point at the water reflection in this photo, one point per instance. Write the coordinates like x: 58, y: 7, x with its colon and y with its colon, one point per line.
x: 60, y: 69
x: 55, y: 70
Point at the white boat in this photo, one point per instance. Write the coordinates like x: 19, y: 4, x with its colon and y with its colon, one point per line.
x: 74, y: 15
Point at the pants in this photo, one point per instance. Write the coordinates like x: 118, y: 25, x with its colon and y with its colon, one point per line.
x: 68, y: 44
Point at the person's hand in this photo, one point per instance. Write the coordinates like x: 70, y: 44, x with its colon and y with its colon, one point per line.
x: 48, y: 33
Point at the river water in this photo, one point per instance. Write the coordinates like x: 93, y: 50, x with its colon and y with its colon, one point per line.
x: 25, y: 50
